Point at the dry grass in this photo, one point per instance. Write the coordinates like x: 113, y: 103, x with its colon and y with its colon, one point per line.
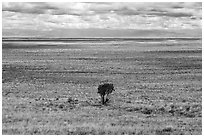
x: 53, y: 90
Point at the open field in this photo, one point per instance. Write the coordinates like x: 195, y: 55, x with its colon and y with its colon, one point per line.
x: 51, y: 88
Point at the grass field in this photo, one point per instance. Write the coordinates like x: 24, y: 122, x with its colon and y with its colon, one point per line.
x: 52, y: 88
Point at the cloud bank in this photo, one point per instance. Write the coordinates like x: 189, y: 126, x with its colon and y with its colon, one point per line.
x: 50, y: 16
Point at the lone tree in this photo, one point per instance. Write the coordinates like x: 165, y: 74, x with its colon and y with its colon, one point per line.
x: 105, y: 89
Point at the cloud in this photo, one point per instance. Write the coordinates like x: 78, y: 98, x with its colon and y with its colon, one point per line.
x: 87, y: 9
x: 113, y: 15
x: 32, y: 8
x: 159, y: 9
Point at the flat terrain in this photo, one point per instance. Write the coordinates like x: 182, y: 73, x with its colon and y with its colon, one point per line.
x: 51, y: 88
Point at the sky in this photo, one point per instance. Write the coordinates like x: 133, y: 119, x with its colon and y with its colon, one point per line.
x: 98, y: 19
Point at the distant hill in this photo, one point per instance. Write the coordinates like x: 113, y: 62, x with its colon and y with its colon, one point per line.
x: 83, y: 33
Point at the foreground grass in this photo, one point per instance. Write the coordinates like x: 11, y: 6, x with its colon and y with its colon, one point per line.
x: 54, y: 91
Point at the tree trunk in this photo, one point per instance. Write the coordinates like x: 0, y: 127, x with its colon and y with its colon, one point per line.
x: 107, y: 98
x: 102, y: 99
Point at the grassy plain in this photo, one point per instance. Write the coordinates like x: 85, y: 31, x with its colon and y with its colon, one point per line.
x: 52, y: 89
